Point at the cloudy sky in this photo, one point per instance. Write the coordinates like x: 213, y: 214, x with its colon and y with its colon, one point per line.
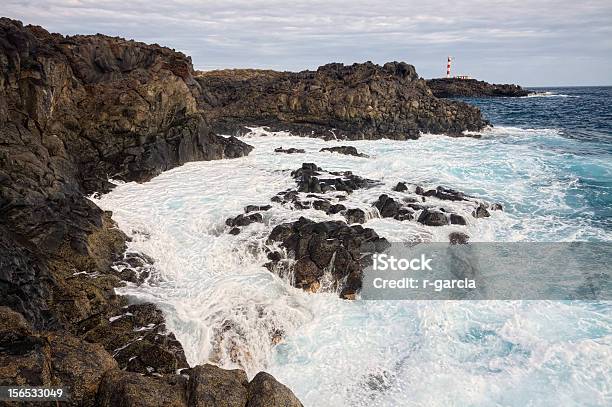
x: 534, y: 43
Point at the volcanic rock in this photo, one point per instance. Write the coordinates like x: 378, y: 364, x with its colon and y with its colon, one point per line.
x: 210, y: 386
x: 289, y: 150
x: 331, y: 246
x: 308, y: 180
x: 458, y: 238
x: 454, y: 87
x: 244, y: 220
x: 400, y: 187
x: 432, y: 218
x: 457, y: 219
x: 481, y: 212
x: 445, y: 194
x: 359, y: 101
x: 75, y: 111
x: 346, y: 150
x: 390, y: 208
x: 253, y: 208
x: 355, y: 216
x: 265, y: 391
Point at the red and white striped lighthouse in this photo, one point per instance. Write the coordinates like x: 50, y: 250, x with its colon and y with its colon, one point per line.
x: 448, y: 65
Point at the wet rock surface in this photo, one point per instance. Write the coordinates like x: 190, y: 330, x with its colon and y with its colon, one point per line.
x: 359, y: 101
x: 390, y: 208
x: 289, y: 150
x: 329, y: 252
x: 75, y: 111
x: 433, y: 218
x: 458, y: 238
x: 264, y: 391
x: 453, y: 87
x: 346, y: 150
x: 93, y: 377
x: 201, y: 386
x: 331, y: 255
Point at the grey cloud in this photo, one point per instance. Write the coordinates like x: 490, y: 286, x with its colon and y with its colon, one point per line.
x: 531, y: 42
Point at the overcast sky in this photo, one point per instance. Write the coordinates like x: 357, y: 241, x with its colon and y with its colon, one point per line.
x: 533, y: 43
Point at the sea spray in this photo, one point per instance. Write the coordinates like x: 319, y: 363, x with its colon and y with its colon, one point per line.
x: 225, y: 306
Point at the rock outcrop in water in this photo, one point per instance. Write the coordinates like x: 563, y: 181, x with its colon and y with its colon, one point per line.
x: 75, y: 111
x: 94, y: 378
x: 321, y: 248
x: 359, y: 101
x: 454, y: 87
x: 346, y: 150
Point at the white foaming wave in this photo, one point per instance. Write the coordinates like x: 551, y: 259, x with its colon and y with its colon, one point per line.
x: 225, y: 307
x: 549, y: 94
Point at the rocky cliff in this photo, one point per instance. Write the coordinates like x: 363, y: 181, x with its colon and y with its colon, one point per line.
x: 360, y: 101
x: 454, y: 87
x: 78, y: 110
x: 75, y: 111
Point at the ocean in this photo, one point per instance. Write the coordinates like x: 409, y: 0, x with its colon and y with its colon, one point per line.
x: 548, y: 161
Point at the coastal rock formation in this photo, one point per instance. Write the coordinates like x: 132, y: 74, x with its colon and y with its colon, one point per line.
x: 359, y: 101
x: 455, y: 87
x: 74, y: 112
x: 346, y: 150
x: 93, y: 378
x: 205, y: 385
x: 289, y: 150
x: 321, y: 248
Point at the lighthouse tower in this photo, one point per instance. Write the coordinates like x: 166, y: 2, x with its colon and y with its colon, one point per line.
x: 448, y: 66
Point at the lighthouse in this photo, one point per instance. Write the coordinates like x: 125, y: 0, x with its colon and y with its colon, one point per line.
x: 448, y: 66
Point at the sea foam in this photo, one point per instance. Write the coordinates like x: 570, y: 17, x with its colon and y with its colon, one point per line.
x: 225, y: 307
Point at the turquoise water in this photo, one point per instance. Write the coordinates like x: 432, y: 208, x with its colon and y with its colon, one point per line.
x: 545, y: 161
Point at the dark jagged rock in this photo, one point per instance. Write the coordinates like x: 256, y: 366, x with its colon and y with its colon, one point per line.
x: 346, y: 150
x: 390, y: 208
x: 359, y: 101
x: 289, y: 150
x: 120, y: 388
x: 210, y: 386
x: 445, y: 194
x: 308, y: 180
x: 253, y: 208
x: 432, y: 218
x: 265, y: 391
x: 244, y: 220
x: 332, y: 246
x: 457, y: 219
x: 75, y: 111
x: 497, y: 207
x: 28, y: 358
x: 400, y: 187
x: 458, y: 238
x: 481, y: 212
x: 355, y: 216
x: 202, y: 386
x: 138, y: 340
x: 454, y: 87
x: 93, y: 377
x: 328, y: 207
x: 134, y: 267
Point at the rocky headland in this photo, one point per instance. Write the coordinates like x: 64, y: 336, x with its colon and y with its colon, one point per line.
x: 359, y: 101
x: 76, y: 111
x: 455, y: 87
